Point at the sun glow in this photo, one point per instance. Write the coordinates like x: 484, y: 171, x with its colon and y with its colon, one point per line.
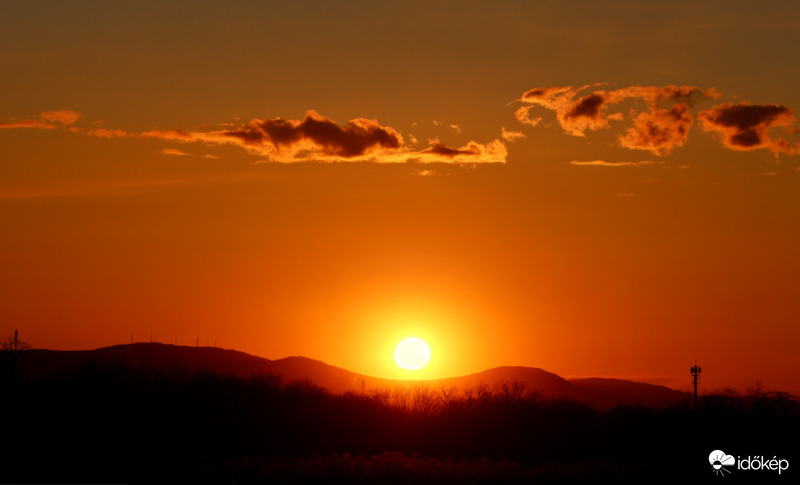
x: 412, y: 353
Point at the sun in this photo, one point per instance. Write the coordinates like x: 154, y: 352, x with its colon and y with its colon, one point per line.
x: 412, y: 353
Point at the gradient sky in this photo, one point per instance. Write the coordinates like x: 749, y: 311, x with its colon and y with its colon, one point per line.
x: 593, y: 188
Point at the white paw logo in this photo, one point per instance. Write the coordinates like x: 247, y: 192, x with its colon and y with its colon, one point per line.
x: 719, y: 459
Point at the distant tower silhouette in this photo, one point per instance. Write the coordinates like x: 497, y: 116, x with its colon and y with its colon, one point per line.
x: 15, y: 339
x: 696, y: 370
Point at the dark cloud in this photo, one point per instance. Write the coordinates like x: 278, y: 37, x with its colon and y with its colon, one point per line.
x: 550, y: 96
x: 588, y: 107
x: 658, y: 130
x: 317, y: 138
x: 323, y: 135
x: 473, y: 152
x: 745, y: 126
x: 574, y: 116
x: 447, y: 151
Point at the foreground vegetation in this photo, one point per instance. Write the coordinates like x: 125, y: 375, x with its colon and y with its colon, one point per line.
x: 109, y: 422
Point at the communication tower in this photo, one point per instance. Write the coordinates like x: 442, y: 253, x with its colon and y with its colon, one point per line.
x: 696, y: 370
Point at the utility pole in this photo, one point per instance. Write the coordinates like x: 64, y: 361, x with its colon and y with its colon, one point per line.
x: 696, y: 370
x: 15, y: 339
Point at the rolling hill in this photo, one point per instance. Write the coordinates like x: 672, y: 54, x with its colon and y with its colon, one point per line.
x: 596, y: 391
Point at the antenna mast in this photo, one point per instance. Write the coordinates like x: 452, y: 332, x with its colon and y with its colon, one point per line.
x: 696, y: 370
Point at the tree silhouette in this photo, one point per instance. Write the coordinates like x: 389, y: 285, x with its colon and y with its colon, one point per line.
x: 9, y: 358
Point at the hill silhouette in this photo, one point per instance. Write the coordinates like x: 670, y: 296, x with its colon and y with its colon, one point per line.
x: 619, y: 391
x: 596, y: 391
x: 155, y: 412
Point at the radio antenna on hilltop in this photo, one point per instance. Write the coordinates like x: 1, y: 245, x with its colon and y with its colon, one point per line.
x: 696, y: 370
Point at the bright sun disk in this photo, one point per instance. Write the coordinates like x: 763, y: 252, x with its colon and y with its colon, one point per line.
x: 412, y: 353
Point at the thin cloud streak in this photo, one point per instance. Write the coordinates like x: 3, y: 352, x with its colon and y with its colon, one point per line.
x: 603, y: 163
x: 511, y: 136
x: 65, y: 117
x: 424, y: 173
x: 174, y: 152
x: 48, y: 120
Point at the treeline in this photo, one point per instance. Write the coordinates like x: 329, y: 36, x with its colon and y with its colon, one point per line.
x: 110, y: 422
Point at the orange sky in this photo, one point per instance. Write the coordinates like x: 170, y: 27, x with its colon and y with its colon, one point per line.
x: 594, y: 191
